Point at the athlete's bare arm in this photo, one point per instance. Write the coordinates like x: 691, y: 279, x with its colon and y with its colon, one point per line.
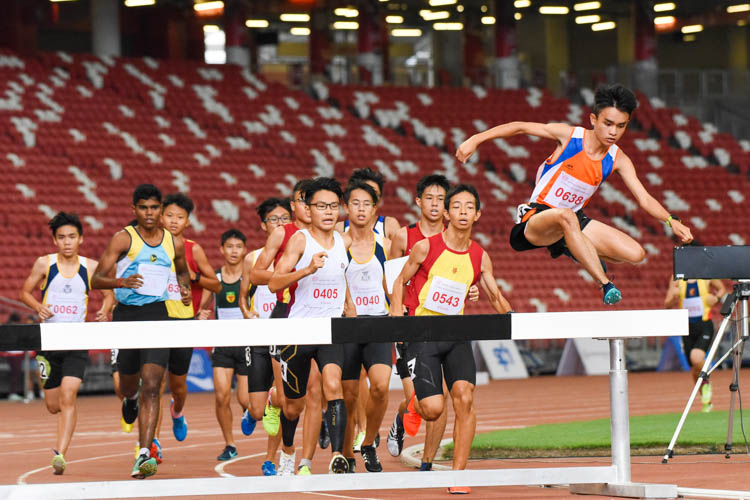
x: 247, y: 265
x: 624, y: 167
x: 392, y: 227
x: 35, y: 278
x: 398, y: 244
x: 108, y: 302
x: 204, y: 311
x: 208, y: 279
x: 489, y: 285
x: 350, y: 311
x: 259, y: 273
x: 719, y: 290
x: 283, y: 276
x: 555, y: 131
x: 673, y: 294
x: 416, y: 257
x: 181, y: 269
x: 103, y: 277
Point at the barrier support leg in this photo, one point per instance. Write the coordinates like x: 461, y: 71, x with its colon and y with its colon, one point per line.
x: 620, y: 436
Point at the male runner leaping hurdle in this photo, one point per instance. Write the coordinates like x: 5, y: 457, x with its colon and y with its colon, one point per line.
x: 566, y: 182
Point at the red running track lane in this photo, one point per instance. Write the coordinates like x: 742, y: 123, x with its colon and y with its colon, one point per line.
x: 101, y: 452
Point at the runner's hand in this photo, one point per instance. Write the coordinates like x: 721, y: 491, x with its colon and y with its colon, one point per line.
x: 318, y: 261
x: 101, y: 315
x: 44, y: 313
x: 187, y: 295
x: 132, y: 281
x: 682, y: 231
x: 465, y: 150
x: 203, y: 314
x: 473, y: 293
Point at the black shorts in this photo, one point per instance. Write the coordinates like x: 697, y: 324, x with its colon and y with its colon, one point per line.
x: 259, y: 369
x: 129, y: 361
x: 519, y: 243
x: 113, y: 361
x: 234, y: 358
x: 280, y: 310
x: 295, y: 364
x: 430, y: 361
x: 373, y: 353
x: 61, y: 364
x: 699, y: 336
x: 401, y: 358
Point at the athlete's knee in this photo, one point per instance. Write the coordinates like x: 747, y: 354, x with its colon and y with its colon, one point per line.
x: 256, y: 411
x: 292, y: 409
x: 150, y: 386
x: 379, y: 390
x: 53, y: 408
x: 566, y: 218
x: 431, y: 409
x: 222, y: 398
x: 67, y: 399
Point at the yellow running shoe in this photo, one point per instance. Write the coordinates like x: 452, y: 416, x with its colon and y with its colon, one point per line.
x: 58, y: 463
x: 304, y: 470
x: 271, y: 419
x: 126, y: 427
x: 137, y: 449
x: 358, y: 441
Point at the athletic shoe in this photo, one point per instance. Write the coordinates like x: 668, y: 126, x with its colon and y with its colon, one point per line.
x: 459, y: 490
x: 144, y: 467
x: 358, y: 441
x: 411, y: 419
x: 370, y: 457
x: 130, y: 409
x: 229, y: 453
x: 396, y: 437
x: 126, y: 427
x: 425, y: 466
x: 707, y: 408
x: 286, y: 464
x: 179, y: 425
x: 156, y: 451
x: 611, y: 294
x: 706, y: 393
x: 304, y: 470
x: 352, y: 465
x: 248, y: 423
x: 271, y: 419
x: 324, y: 439
x: 268, y: 468
x: 58, y: 463
x: 338, y: 465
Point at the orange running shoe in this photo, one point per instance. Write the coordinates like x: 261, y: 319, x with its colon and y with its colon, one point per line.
x: 459, y: 490
x: 412, y: 420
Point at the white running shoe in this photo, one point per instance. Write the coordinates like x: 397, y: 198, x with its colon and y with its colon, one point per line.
x: 286, y: 464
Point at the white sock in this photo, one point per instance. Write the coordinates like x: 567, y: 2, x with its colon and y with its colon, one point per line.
x: 144, y: 451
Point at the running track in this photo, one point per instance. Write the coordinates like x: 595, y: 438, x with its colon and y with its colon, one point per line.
x: 101, y: 452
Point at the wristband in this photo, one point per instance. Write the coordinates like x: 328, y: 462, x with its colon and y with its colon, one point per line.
x: 669, y: 220
x: 118, y: 283
x: 197, y: 277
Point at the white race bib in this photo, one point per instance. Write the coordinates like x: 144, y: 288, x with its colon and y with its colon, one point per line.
x: 569, y: 192
x: 369, y: 298
x: 446, y: 296
x: 155, y: 280
x: 66, y: 308
x: 326, y: 291
x: 173, y: 288
x: 694, y: 305
x: 229, y: 313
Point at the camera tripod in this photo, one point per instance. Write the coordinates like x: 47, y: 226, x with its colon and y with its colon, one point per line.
x: 740, y: 295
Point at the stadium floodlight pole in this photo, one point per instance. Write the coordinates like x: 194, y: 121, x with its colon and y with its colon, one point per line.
x: 741, y: 294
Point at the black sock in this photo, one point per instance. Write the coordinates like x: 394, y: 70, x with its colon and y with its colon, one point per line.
x: 288, y: 428
x: 336, y: 421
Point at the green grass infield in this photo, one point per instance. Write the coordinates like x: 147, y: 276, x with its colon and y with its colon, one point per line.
x: 649, y: 435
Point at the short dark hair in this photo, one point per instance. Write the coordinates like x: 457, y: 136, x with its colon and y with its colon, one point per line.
x: 146, y: 192
x: 614, y: 96
x: 301, y: 186
x: 432, y: 180
x: 322, y: 184
x: 65, y: 219
x: 233, y: 233
x: 368, y: 174
x: 364, y: 187
x: 181, y: 200
x: 270, y: 204
x: 462, y: 188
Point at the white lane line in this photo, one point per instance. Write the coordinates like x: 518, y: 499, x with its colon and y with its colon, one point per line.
x: 336, y: 496
x: 22, y: 478
x: 220, y: 467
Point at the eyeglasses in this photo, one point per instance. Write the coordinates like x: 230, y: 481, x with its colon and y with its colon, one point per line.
x: 323, y: 206
x: 274, y: 219
x: 364, y: 204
